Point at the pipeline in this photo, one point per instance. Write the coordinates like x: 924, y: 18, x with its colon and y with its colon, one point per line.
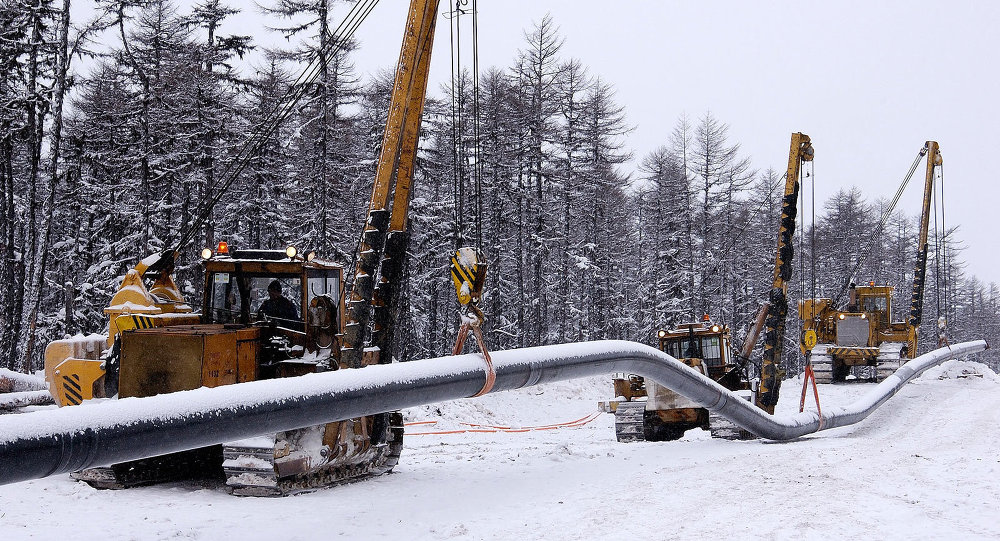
x: 42, y: 443
x: 17, y: 382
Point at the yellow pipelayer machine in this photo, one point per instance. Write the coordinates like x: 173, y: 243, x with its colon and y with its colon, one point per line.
x: 863, y: 333
x: 159, y: 345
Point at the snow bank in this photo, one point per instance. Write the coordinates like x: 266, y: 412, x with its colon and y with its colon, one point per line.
x: 12, y: 401
x: 936, y: 479
x: 957, y: 369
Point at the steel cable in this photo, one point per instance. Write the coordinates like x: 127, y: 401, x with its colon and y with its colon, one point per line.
x: 341, y: 36
x: 877, y: 233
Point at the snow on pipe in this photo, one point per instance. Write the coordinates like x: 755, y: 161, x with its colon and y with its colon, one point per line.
x: 43, y: 443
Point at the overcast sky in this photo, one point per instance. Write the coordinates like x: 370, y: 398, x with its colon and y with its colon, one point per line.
x: 869, y: 82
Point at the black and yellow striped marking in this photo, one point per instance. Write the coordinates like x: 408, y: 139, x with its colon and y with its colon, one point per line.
x: 72, y: 389
x: 460, y: 273
x: 131, y: 322
x: 854, y: 352
x: 75, y: 380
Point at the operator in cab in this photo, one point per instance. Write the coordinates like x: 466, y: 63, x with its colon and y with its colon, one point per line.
x: 277, y: 306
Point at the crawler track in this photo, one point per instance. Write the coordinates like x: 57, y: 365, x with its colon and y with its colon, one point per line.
x: 629, y: 421
x: 889, y: 360
x: 252, y: 469
x: 822, y: 364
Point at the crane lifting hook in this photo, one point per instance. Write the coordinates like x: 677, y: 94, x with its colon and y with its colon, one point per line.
x: 468, y: 271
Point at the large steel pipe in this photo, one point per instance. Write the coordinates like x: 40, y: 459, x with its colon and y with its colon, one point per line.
x: 43, y: 443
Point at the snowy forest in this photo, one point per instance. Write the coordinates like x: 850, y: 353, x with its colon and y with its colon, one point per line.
x: 115, y: 131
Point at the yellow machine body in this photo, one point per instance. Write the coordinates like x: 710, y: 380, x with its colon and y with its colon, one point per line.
x: 74, y: 367
x: 76, y: 380
x: 647, y: 411
x: 179, y: 358
x: 871, y: 306
x: 863, y: 333
x: 160, y: 346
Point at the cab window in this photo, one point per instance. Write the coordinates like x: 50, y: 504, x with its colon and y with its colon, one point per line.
x: 277, y: 299
x: 320, y: 283
x: 226, y: 300
x: 671, y: 348
x: 683, y: 348
x: 711, y: 350
x: 873, y: 304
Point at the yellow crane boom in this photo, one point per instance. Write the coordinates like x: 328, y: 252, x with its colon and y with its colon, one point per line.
x: 920, y: 267
x: 384, y: 240
x: 771, y: 371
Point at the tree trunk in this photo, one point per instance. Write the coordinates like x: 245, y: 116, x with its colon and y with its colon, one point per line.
x: 33, y: 298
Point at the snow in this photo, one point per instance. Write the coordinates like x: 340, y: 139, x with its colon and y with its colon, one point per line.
x: 467, y: 257
x: 132, y: 308
x: 923, y: 466
x: 961, y: 369
x: 18, y: 382
x: 10, y: 401
x: 246, y: 461
x: 255, y: 441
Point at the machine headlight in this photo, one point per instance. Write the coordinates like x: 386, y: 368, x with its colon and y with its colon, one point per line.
x: 206, y: 253
x: 290, y: 252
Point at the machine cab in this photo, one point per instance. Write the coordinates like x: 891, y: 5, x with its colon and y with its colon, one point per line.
x: 298, y: 298
x: 874, y: 301
x: 869, y: 309
x: 696, y: 344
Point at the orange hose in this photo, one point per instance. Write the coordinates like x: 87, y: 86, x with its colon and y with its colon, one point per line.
x: 487, y: 429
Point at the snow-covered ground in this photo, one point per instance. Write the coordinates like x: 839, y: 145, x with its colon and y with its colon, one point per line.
x: 924, y: 466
